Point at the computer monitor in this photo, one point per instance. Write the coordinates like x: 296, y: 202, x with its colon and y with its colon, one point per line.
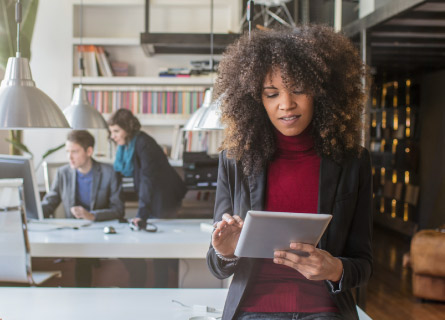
x: 22, y: 167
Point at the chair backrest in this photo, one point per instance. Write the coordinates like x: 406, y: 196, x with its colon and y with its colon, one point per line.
x: 49, y: 172
x: 15, y: 258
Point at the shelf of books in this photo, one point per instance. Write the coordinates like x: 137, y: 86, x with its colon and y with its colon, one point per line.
x: 394, y: 146
x: 98, y: 69
x: 154, y: 105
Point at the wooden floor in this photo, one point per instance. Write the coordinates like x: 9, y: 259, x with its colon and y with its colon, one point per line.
x: 389, y: 294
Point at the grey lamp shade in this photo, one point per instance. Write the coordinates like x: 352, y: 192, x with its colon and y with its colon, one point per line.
x: 196, y: 117
x: 211, y: 120
x: 81, y: 114
x: 22, y: 105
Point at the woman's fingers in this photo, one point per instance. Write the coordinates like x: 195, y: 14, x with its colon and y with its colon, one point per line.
x: 226, y: 233
x: 239, y: 221
x: 232, y: 220
x: 313, y: 263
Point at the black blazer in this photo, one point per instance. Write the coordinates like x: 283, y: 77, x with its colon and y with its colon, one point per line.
x: 345, y: 191
x: 160, y: 189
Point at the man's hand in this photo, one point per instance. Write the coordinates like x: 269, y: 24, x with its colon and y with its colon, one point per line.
x: 80, y: 213
x: 226, y: 234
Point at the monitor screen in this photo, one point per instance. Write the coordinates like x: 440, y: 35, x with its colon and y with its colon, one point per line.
x: 22, y: 167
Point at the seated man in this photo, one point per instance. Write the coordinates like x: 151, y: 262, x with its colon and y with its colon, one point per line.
x: 87, y: 189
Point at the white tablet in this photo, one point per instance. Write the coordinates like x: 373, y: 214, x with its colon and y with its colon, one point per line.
x: 264, y: 232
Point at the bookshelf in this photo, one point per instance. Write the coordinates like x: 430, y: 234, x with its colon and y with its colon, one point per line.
x: 394, y: 147
x: 116, y: 26
x: 162, y: 104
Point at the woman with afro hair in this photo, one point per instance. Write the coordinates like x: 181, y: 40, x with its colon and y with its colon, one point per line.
x: 292, y: 102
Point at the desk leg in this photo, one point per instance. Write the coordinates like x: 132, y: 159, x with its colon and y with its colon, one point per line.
x: 194, y: 273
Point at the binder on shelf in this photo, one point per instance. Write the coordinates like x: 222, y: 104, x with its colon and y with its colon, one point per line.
x: 76, y: 62
x: 88, y: 53
x: 102, y: 62
x: 120, y: 68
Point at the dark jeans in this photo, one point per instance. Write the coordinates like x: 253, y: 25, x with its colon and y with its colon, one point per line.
x: 288, y: 316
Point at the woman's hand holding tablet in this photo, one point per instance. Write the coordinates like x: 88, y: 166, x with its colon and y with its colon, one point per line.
x: 316, y: 264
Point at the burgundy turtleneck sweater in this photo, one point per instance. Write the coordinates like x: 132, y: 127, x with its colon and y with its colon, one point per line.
x: 292, y: 186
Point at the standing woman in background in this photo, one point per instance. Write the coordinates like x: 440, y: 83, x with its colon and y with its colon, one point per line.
x: 292, y: 102
x: 159, y: 187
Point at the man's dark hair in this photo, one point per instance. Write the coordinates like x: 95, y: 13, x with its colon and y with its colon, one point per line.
x: 126, y: 121
x: 82, y: 138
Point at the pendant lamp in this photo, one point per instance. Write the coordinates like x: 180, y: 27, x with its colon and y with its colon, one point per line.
x: 22, y: 104
x: 192, y: 123
x: 207, y: 117
x: 80, y: 113
x: 211, y: 120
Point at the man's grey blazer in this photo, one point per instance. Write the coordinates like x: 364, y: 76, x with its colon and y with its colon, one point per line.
x: 106, y: 193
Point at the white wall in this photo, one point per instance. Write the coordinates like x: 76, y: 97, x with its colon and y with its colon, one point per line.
x: 366, y: 7
x: 51, y: 70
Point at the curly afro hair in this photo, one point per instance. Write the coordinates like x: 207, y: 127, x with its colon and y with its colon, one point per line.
x: 322, y: 62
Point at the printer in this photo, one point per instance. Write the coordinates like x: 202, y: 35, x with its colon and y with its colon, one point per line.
x: 200, y: 170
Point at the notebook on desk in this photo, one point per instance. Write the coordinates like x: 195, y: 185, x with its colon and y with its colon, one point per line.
x: 62, y: 223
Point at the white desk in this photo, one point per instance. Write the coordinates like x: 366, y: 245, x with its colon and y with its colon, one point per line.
x: 177, y: 239
x: 110, y: 303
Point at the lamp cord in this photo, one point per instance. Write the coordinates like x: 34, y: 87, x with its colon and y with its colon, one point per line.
x: 211, y: 37
x: 81, y: 65
x: 249, y: 14
x: 18, y: 19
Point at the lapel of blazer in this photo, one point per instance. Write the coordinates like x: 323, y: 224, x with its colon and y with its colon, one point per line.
x: 257, y: 184
x: 95, y: 184
x: 328, y: 182
x: 72, y: 185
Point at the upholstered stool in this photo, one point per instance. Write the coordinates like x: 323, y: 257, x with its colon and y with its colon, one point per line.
x: 428, y: 264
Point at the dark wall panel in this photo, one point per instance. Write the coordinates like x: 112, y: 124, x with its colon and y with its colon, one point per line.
x: 432, y: 163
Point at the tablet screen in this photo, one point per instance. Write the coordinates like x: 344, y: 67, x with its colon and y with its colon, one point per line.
x: 264, y: 232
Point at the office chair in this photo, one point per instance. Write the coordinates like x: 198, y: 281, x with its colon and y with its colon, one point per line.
x: 49, y: 173
x: 15, y: 256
